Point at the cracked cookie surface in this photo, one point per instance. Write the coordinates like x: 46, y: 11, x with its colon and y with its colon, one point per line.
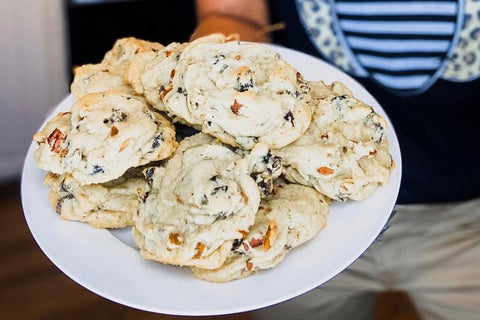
x: 108, y: 205
x: 202, y: 199
x: 107, y: 134
x: 150, y: 73
x: 241, y: 93
x: 110, y: 74
x: 344, y: 153
x: 285, y: 220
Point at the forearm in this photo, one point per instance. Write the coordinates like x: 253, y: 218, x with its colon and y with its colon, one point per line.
x: 247, y: 18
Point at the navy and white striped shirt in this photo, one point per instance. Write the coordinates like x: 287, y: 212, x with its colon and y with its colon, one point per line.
x: 421, y: 60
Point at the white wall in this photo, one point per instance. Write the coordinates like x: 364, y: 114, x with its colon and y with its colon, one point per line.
x: 33, y: 75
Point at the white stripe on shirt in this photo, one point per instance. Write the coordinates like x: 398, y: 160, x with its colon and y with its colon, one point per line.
x: 401, y: 45
x: 397, y: 8
x: 399, y: 64
x: 403, y: 82
x: 399, y: 27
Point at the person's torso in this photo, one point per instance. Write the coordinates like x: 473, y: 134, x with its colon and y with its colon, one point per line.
x: 421, y: 61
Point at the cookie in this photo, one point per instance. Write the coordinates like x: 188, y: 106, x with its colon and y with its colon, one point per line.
x: 108, y: 205
x: 201, y: 201
x: 91, y: 78
x: 110, y: 74
x: 126, y: 49
x: 294, y: 215
x: 344, y: 153
x: 109, y: 133
x: 151, y: 73
x: 241, y: 93
x: 52, y: 144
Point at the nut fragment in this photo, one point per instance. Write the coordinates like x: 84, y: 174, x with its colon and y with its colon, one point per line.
x: 113, y: 131
x: 55, y: 140
x: 255, y: 242
x: 235, y: 107
x: 173, y: 237
x: 244, y: 233
x: 199, y: 248
x: 249, y: 265
x: 271, y: 235
x: 325, y: 171
x: 244, y: 196
x: 165, y: 91
x: 124, y: 145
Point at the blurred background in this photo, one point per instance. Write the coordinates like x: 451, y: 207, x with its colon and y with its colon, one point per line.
x: 41, y: 41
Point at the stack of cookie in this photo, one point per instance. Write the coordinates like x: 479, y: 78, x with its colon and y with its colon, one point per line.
x: 272, y: 150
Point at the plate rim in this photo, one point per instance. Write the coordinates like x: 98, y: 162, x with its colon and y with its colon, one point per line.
x: 393, y: 139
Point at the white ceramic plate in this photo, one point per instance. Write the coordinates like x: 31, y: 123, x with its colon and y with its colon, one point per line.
x: 108, y: 264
